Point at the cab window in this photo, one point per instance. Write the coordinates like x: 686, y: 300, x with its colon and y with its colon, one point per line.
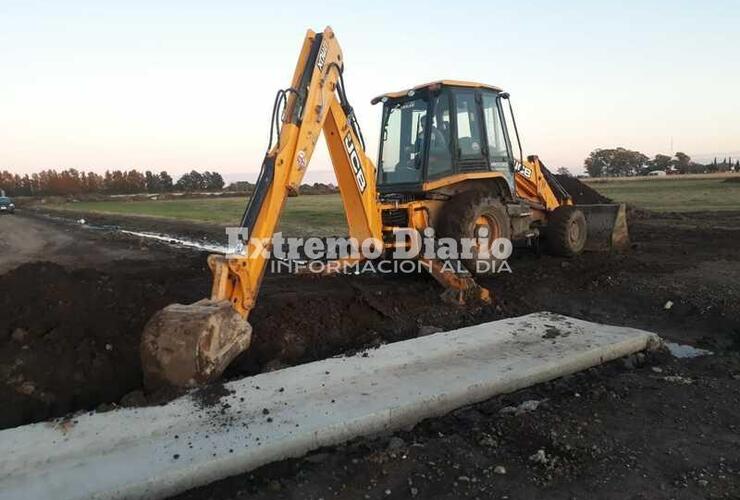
x: 440, y: 152
x: 469, y: 144
x: 402, y: 143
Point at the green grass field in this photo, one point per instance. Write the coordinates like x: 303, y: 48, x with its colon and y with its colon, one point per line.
x: 305, y: 215
x: 673, y: 194
x: 323, y: 215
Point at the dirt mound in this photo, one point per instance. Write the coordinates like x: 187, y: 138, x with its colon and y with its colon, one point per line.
x: 732, y: 180
x: 69, y: 339
x: 582, y: 194
x: 305, y: 318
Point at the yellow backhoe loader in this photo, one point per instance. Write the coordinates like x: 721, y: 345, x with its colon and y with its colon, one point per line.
x: 446, y: 162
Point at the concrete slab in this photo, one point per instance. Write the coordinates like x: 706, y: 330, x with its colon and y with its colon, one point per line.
x: 225, y: 430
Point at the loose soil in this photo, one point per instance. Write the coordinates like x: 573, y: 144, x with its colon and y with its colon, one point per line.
x: 581, y: 193
x: 655, y: 427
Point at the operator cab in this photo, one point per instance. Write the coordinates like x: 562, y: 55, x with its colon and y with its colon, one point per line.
x: 439, y: 130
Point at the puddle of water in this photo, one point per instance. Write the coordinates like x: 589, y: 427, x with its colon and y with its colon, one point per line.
x: 686, y: 351
x: 209, y: 247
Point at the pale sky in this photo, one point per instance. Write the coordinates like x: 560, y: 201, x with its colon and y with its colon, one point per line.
x: 182, y: 85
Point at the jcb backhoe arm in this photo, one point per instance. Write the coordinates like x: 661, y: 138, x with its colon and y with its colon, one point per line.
x: 185, y: 345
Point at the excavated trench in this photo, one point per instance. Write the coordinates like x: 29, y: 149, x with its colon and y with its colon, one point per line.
x: 70, y: 336
x: 70, y: 332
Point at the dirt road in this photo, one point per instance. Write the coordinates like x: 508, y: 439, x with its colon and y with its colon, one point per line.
x: 27, y: 239
x: 653, y: 428
x: 24, y: 240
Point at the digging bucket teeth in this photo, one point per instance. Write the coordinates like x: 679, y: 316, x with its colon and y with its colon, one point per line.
x: 190, y: 345
x: 607, y: 227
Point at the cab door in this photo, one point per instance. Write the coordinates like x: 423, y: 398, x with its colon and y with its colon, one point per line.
x: 500, y: 157
x: 470, y: 146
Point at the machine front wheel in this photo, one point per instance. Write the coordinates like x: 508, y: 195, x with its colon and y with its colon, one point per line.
x: 566, y: 231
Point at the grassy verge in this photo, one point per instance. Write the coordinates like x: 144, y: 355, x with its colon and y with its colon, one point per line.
x: 305, y: 215
x: 677, y: 194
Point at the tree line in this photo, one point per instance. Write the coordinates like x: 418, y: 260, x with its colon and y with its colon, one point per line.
x: 622, y: 162
x: 74, y: 182
x: 247, y: 187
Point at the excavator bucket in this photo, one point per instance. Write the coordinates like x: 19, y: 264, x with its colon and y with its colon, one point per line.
x: 191, y: 345
x: 607, y: 227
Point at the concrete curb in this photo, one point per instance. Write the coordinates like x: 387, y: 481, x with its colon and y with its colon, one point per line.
x: 225, y: 430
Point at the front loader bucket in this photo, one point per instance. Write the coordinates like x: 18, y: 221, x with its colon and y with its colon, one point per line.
x: 607, y: 227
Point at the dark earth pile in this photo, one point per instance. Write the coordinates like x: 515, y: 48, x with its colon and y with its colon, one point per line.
x: 580, y: 192
x: 305, y: 318
x: 69, y: 340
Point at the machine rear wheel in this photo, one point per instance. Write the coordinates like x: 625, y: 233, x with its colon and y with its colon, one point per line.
x: 476, y: 215
x: 566, y: 231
